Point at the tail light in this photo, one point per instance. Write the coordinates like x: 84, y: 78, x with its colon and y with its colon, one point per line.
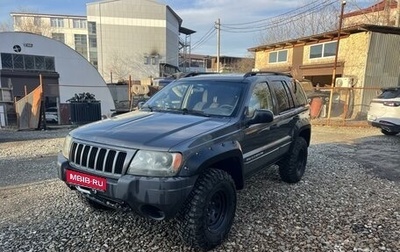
x: 392, y: 104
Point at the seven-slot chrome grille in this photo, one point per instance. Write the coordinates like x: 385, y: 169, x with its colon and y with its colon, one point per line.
x: 97, y: 158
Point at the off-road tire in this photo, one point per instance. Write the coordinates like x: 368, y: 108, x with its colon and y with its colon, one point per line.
x: 293, y: 165
x: 389, y: 133
x: 207, y: 216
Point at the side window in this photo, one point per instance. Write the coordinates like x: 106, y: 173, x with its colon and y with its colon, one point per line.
x: 289, y: 94
x: 281, y: 96
x: 260, y: 98
x: 299, y: 94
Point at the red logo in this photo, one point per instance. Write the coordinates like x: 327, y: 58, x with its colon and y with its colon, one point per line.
x: 82, y: 179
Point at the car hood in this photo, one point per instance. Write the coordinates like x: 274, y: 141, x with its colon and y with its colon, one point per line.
x: 150, y: 130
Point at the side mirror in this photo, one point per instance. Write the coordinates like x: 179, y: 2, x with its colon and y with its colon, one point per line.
x: 261, y: 116
x: 140, y: 104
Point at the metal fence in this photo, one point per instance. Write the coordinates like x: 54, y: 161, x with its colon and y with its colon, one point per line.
x: 344, y: 106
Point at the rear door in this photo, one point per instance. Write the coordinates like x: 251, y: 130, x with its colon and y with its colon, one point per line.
x: 285, y: 114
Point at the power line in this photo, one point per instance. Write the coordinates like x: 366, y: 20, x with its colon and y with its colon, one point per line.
x: 283, y: 14
x: 275, y: 23
x: 204, y: 39
x: 268, y: 23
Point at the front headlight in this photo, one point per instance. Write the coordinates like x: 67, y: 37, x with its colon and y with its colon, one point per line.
x: 67, y: 146
x: 154, y: 163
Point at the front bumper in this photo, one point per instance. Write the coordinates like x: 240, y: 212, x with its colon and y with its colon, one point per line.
x: 152, y: 197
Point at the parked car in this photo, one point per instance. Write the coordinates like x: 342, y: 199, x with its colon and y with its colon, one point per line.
x: 384, y: 111
x: 187, y: 150
x: 51, y: 114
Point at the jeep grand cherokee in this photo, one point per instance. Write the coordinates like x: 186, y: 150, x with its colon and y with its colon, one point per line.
x: 189, y: 148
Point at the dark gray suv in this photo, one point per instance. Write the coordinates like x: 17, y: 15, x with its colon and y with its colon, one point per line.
x: 189, y: 148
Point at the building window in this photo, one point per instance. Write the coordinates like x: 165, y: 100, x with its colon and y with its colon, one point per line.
x: 50, y: 63
x: 58, y: 36
x: 17, y: 21
x: 57, y: 22
x: 92, y: 27
x: 278, y: 56
x: 79, y: 24
x: 92, y: 41
x: 18, y: 61
x: 37, y: 21
x: 81, y: 44
x: 93, y: 58
x: 27, y: 62
x: 40, y: 63
x: 323, y: 50
x: 6, y: 61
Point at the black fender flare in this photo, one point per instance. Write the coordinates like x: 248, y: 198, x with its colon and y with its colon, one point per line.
x: 226, y: 156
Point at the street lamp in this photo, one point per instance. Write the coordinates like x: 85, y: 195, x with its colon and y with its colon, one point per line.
x: 336, y: 59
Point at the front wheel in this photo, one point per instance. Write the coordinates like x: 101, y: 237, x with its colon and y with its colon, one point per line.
x: 293, y: 165
x: 389, y: 133
x: 207, y: 217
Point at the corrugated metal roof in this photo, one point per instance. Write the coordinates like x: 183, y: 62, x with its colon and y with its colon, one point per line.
x: 331, y: 35
x: 374, y: 8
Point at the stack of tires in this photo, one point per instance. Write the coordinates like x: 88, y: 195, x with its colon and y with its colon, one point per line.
x: 84, y: 108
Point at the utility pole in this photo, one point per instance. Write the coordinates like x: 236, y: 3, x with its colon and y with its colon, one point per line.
x: 218, y: 27
x: 336, y: 60
x: 387, y: 12
x: 398, y: 14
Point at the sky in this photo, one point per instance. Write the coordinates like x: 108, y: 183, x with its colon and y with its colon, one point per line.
x: 197, y: 15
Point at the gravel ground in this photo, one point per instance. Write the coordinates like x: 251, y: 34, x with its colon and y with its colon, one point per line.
x: 342, y: 203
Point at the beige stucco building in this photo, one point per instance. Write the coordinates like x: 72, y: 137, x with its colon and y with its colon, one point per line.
x: 368, y: 58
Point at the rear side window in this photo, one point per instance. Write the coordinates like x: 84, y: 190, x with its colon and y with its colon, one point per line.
x: 282, y: 96
x: 390, y: 93
x: 299, y: 94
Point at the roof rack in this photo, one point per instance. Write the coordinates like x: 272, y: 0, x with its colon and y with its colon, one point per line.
x: 190, y: 74
x: 266, y: 73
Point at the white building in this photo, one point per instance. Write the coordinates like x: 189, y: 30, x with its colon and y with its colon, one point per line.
x: 140, y: 38
x: 69, y: 29
x: 64, y: 71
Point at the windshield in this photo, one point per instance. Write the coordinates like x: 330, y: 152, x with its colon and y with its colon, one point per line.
x: 390, y: 93
x: 207, y: 98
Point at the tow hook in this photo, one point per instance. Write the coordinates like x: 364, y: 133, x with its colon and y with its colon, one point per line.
x: 85, y: 191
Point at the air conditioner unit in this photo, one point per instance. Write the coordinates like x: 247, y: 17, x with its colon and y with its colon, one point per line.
x: 345, y: 82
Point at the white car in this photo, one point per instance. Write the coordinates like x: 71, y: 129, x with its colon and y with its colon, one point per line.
x: 51, y: 115
x: 384, y: 111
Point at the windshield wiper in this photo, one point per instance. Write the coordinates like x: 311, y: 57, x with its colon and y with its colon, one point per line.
x: 195, y: 112
x: 189, y: 111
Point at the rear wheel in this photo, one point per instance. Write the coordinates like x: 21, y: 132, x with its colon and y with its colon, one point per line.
x: 293, y: 165
x: 207, y: 216
x: 389, y: 133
